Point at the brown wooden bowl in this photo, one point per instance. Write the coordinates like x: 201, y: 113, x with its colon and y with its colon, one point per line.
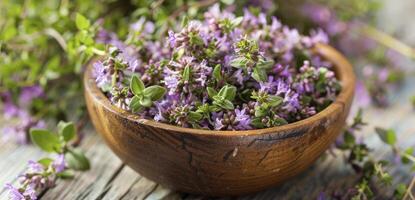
x: 221, y: 163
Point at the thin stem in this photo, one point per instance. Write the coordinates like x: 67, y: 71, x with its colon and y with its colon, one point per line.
x: 387, y: 40
x: 409, y: 190
x: 57, y: 36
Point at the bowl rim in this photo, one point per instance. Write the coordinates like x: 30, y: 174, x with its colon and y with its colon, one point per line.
x: 342, y: 68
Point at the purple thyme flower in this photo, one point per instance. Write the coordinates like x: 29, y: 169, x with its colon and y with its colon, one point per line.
x: 201, y: 72
x: 105, y: 37
x: 101, y: 74
x: 282, y: 87
x: 14, y: 193
x: 362, y: 97
x: 9, y: 108
x: 217, y: 118
x: 316, y: 36
x: 292, y: 37
x: 172, y: 39
x: 30, y: 192
x: 38, y: 176
x: 250, y: 18
x: 22, y: 123
x: 34, y: 167
x: 291, y: 102
x: 270, y: 86
x: 171, y: 80
x: 59, y: 163
x: 317, y: 13
x: 239, y: 76
x: 27, y: 94
x: 275, y: 24
x: 146, y: 27
x: 243, y: 120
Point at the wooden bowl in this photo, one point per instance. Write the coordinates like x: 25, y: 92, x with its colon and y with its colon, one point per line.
x: 221, y: 163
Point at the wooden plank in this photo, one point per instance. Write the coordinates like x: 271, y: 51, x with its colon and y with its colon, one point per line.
x: 122, y: 184
x: 141, y: 189
x: 163, y: 193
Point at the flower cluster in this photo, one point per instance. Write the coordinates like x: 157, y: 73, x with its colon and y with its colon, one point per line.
x: 20, y: 120
x: 222, y: 73
x: 39, y: 175
x: 385, y: 70
x: 42, y: 174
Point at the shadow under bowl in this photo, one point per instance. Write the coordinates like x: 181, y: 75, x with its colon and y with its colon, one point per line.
x: 221, y: 163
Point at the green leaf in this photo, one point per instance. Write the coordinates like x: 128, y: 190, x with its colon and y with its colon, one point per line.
x: 8, y: 33
x: 77, y: 160
x: 237, y: 21
x: 195, y: 116
x: 407, y: 155
x: 155, y: 92
x: 82, y: 22
x: 136, y: 85
x: 388, y: 136
x: 226, y: 104
x: 257, y: 122
x: 349, y: 139
x: 45, y: 162
x: 222, y: 91
x: 45, y: 140
x: 211, y: 92
x: 265, y: 64
x: 239, y: 62
x: 274, y: 100
x: 186, y: 73
x: 114, y: 51
x: 260, y: 112
x: 135, y: 105
x: 195, y: 39
x: 217, y: 72
x: 185, y: 21
x: 178, y: 54
x: 67, y: 174
x: 146, y: 101
x: 228, y: 2
x: 228, y: 92
x: 279, y: 121
x: 400, y: 191
x: 67, y: 130
x: 259, y: 74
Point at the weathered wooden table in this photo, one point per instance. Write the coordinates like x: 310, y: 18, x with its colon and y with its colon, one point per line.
x: 109, y: 178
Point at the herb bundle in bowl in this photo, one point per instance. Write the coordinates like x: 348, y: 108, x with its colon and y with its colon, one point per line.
x: 221, y: 106
x: 222, y: 73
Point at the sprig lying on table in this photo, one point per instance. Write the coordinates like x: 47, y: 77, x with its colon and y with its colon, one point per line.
x: 44, y: 173
x: 372, y: 173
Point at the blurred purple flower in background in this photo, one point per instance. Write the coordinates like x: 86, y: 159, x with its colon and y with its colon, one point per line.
x: 20, y: 121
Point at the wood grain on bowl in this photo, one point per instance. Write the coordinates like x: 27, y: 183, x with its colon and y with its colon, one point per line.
x: 221, y: 163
